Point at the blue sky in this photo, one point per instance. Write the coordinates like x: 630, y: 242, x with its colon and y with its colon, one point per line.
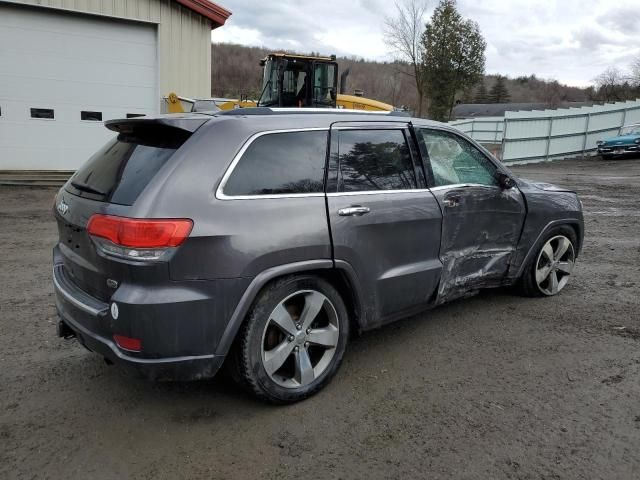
x: 571, y: 41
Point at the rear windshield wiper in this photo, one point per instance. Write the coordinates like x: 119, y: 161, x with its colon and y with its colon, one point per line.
x: 87, y: 188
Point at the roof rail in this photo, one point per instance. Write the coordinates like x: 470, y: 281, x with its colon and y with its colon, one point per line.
x: 276, y: 111
x: 247, y: 111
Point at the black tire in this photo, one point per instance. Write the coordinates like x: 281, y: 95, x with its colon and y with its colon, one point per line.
x: 606, y: 157
x: 246, y: 363
x: 527, y: 285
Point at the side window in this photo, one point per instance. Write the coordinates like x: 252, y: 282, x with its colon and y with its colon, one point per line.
x: 454, y: 160
x: 324, y: 75
x: 281, y: 163
x: 374, y: 160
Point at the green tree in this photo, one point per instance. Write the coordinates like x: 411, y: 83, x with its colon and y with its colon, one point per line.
x: 499, y: 92
x: 453, y: 58
x: 481, y: 93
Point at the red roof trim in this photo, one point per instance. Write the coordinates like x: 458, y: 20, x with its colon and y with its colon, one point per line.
x: 213, y: 12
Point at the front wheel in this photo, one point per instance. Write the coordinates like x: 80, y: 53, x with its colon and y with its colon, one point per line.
x: 293, y: 339
x: 548, y: 272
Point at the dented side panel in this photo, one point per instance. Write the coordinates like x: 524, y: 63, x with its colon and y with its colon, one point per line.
x: 546, y: 208
x: 481, y: 228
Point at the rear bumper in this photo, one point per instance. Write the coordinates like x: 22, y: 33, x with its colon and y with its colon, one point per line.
x: 92, y: 324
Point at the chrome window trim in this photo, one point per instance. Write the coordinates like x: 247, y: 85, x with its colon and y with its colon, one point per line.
x: 220, y: 195
x: 378, y: 192
x: 371, y: 126
x: 462, y: 185
x: 268, y: 196
x: 413, y: 190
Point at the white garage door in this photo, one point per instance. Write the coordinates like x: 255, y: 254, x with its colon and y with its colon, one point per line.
x: 61, y: 76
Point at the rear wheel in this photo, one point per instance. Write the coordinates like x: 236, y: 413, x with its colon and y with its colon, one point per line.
x: 606, y: 157
x: 293, y: 340
x: 550, y: 269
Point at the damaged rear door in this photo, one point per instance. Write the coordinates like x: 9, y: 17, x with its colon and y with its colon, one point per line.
x: 481, y: 221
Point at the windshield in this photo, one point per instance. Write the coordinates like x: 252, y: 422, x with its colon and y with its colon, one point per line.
x: 630, y: 130
x: 269, y: 94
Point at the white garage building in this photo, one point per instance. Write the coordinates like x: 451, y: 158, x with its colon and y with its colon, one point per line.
x: 68, y: 65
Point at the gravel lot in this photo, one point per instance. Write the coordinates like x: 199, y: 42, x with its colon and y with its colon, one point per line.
x: 495, y: 386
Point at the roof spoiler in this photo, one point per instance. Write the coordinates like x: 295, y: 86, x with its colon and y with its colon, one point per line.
x: 128, y: 125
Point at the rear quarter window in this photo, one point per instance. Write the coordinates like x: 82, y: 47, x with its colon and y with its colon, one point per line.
x: 280, y: 163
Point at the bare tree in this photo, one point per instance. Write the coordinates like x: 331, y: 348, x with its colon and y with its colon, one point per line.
x: 635, y: 72
x: 403, y: 33
x: 612, y: 85
x: 552, y: 93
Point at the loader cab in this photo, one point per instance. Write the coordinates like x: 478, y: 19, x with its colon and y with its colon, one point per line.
x: 299, y: 81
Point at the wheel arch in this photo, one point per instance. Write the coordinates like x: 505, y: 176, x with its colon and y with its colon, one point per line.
x: 341, y: 276
x: 573, y: 223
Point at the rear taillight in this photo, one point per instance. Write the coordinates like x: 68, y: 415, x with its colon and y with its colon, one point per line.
x: 137, y: 238
x: 128, y: 343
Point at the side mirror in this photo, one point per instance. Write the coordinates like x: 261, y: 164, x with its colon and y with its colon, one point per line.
x: 505, y: 181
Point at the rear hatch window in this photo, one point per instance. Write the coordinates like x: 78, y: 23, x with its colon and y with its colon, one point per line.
x: 119, y: 171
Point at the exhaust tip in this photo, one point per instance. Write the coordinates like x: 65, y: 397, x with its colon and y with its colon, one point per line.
x: 65, y: 331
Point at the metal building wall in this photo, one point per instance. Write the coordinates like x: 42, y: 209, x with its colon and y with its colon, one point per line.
x: 184, y: 38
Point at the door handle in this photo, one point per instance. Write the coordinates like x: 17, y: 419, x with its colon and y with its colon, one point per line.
x: 356, y: 210
x: 451, y: 201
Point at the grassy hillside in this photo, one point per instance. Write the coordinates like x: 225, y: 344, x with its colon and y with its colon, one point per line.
x: 235, y: 71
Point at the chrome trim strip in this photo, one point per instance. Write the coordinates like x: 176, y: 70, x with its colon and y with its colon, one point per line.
x: 461, y: 185
x: 370, y: 126
x: 376, y: 192
x: 71, y: 299
x: 272, y: 196
x: 220, y: 195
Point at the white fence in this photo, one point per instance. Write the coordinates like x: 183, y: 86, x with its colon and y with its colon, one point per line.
x: 483, y: 130
x: 537, y: 135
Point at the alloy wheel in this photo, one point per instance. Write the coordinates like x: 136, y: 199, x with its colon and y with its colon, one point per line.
x: 554, y: 265
x: 300, y: 339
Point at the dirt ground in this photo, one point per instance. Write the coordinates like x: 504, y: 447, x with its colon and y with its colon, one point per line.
x: 496, y: 386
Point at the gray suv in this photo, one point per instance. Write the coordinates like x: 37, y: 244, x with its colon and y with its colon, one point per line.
x: 263, y: 238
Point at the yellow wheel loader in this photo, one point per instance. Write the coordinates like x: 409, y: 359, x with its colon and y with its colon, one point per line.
x: 294, y: 81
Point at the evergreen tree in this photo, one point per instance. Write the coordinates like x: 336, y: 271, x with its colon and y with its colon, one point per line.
x: 481, y: 94
x: 499, y: 92
x: 466, y: 96
x: 453, y: 58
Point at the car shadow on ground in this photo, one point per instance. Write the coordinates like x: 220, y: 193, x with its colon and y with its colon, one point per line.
x: 205, y: 399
